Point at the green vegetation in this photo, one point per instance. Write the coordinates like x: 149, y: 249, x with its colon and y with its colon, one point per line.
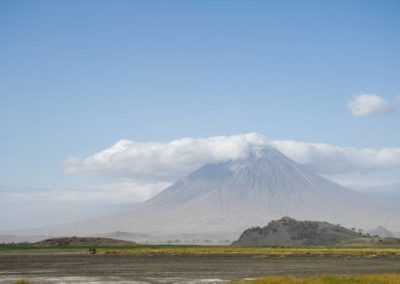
x: 329, y: 279
x: 255, y: 251
x: 22, y: 282
x: 368, y: 251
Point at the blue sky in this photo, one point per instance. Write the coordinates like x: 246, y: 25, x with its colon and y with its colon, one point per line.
x: 77, y: 76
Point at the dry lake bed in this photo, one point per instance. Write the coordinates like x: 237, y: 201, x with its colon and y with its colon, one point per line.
x: 133, y: 268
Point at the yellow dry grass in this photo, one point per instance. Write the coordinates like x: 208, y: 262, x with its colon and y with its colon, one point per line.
x: 371, y: 252
x: 261, y: 252
x: 328, y: 279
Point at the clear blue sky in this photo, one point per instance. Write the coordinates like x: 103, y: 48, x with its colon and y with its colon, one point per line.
x: 76, y: 76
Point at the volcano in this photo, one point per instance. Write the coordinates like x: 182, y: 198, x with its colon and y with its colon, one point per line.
x: 221, y: 200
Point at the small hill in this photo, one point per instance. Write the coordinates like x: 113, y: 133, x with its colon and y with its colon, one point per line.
x: 382, y: 232
x: 290, y: 232
x: 126, y: 236
x: 82, y: 241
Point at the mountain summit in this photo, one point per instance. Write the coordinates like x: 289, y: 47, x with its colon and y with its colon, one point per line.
x: 220, y: 200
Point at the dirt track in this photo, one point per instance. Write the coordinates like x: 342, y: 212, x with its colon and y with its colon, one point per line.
x: 130, y: 268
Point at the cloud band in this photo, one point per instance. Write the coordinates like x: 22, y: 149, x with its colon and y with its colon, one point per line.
x: 167, y: 162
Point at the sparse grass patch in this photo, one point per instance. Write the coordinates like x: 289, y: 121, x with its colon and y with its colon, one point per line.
x: 327, y: 279
x: 22, y: 282
x: 371, y: 252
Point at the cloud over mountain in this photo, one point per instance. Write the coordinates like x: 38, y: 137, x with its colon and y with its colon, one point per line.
x: 154, y: 162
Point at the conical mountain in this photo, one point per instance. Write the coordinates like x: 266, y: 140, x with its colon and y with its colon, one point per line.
x: 220, y: 200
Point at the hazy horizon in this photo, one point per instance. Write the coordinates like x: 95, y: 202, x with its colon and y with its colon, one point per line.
x: 104, y: 104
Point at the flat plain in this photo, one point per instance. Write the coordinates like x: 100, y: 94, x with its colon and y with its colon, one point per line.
x: 187, y: 264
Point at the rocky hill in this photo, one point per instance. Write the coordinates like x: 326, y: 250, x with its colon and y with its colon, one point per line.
x: 290, y: 232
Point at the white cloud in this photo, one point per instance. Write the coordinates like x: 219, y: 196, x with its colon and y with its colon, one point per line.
x: 159, y: 162
x: 398, y: 99
x: 369, y: 184
x: 368, y: 105
x: 328, y: 159
x: 148, y: 161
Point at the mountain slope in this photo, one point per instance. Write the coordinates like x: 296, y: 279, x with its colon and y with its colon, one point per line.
x: 382, y: 232
x: 221, y: 200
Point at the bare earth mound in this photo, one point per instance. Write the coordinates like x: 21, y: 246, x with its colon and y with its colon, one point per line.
x: 82, y: 241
